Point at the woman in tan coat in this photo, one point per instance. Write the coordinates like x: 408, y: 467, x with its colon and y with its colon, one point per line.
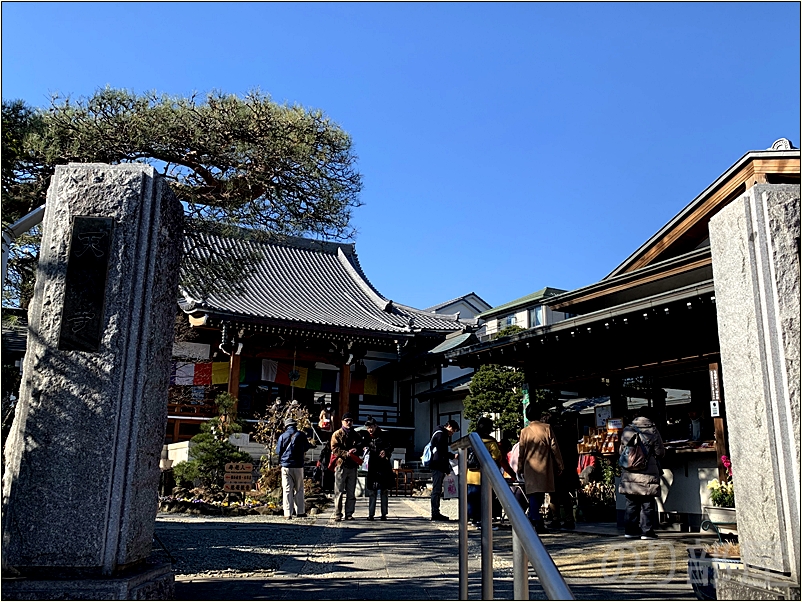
x: 539, y: 457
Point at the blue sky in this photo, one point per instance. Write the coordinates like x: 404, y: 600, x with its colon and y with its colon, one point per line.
x: 504, y: 146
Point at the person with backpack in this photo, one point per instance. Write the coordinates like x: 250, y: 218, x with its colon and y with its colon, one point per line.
x: 641, y: 447
x: 290, y: 448
x: 484, y: 426
x: 439, y: 464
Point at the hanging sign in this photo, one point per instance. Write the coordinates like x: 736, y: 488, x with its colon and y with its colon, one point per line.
x: 603, y: 414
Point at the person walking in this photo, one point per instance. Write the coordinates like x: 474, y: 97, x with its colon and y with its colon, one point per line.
x: 484, y: 426
x: 640, y: 488
x: 380, y: 473
x: 344, y: 445
x: 290, y: 448
x: 440, y: 465
x: 567, y: 482
x: 539, y: 457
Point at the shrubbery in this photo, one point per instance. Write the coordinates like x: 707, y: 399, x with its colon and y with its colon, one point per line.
x: 212, y: 450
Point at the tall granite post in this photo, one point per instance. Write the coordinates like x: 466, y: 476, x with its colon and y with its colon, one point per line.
x: 82, y: 461
x: 755, y: 248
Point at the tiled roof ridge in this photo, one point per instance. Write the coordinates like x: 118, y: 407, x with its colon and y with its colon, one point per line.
x: 279, y: 240
x: 355, y: 271
x: 423, y: 312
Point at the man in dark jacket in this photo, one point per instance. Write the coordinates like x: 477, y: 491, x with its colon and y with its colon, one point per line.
x: 440, y: 465
x: 640, y: 488
x: 380, y: 471
x: 290, y: 448
x: 344, y: 445
x: 566, y: 482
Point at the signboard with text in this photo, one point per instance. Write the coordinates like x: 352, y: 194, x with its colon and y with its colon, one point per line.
x: 238, y: 476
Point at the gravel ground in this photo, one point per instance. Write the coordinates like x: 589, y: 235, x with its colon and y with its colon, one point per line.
x: 231, y: 547
x: 258, y: 546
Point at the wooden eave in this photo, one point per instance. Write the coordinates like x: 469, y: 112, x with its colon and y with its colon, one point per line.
x: 301, y: 329
x: 756, y: 167
x: 669, y: 271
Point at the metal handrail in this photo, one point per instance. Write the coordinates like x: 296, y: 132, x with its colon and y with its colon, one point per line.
x: 526, y: 545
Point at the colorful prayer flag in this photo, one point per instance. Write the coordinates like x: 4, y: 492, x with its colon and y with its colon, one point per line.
x: 220, y: 372
x: 203, y: 374
x: 269, y: 368
x: 314, y: 379
x: 371, y: 385
x: 184, y: 373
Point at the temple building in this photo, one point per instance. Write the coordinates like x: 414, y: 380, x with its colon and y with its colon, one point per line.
x: 304, y: 323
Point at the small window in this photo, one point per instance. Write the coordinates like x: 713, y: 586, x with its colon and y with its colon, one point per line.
x: 511, y: 320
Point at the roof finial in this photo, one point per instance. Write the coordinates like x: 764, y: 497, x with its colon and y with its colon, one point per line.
x: 782, y: 144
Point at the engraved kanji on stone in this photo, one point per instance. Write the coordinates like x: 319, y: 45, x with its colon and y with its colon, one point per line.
x: 80, y: 320
x: 90, y: 240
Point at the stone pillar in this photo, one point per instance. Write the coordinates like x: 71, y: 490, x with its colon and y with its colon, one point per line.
x: 755, y: 248
x: 82, y: 461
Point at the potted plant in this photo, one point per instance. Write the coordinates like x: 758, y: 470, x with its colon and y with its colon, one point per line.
x: 722, y: 494
x: 705, y: 563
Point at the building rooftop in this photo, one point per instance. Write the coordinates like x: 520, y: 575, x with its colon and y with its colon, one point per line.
x: 301, y: 282
x: 536, y: 296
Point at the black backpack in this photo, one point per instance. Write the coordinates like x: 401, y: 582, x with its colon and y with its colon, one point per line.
x: 634, y: 455
x: 473, y: 462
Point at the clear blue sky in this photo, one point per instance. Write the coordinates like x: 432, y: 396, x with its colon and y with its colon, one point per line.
x: 504, y: 147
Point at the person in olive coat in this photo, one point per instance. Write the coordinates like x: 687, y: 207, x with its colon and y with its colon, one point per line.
x: 539, y: 459
x: 640, y: 488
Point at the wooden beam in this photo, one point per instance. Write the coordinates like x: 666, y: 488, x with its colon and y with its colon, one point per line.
x: 345, y: 393
x: 233, y: 377
x: 717, y: 394
x: 751, y: 173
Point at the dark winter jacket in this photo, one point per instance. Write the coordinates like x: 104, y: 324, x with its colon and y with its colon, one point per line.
x: 568, y: 479
x: 645, y: 482
x: 440, y: 453
x: 292, y: 456
x: 380, y: 471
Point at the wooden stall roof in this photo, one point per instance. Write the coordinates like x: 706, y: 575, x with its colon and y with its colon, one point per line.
x: 679, y: 253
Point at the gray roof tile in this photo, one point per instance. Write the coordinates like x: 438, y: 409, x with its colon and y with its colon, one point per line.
x: 304, y: 281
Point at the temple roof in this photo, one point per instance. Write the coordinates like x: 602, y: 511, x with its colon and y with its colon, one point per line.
x: 302, y: 282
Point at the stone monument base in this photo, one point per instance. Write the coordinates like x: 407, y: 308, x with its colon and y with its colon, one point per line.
x: 151, y: 582
x: 754, y: 584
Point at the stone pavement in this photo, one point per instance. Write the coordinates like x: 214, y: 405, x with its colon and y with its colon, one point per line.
x: 405, y: 558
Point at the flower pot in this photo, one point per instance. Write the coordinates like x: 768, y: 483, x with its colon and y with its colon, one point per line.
x: 719, y: 515
x: 702, y: 571
x: 724, y: 518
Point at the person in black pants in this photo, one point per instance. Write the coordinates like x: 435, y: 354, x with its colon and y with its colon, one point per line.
x: 640, y: 488
x: 439, y: 464
x: 567, y: 482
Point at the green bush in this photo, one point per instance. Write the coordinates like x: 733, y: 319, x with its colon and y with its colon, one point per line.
x: 212, y: 451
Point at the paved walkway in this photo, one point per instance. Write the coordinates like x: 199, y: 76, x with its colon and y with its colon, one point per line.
x: 405, y: 558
